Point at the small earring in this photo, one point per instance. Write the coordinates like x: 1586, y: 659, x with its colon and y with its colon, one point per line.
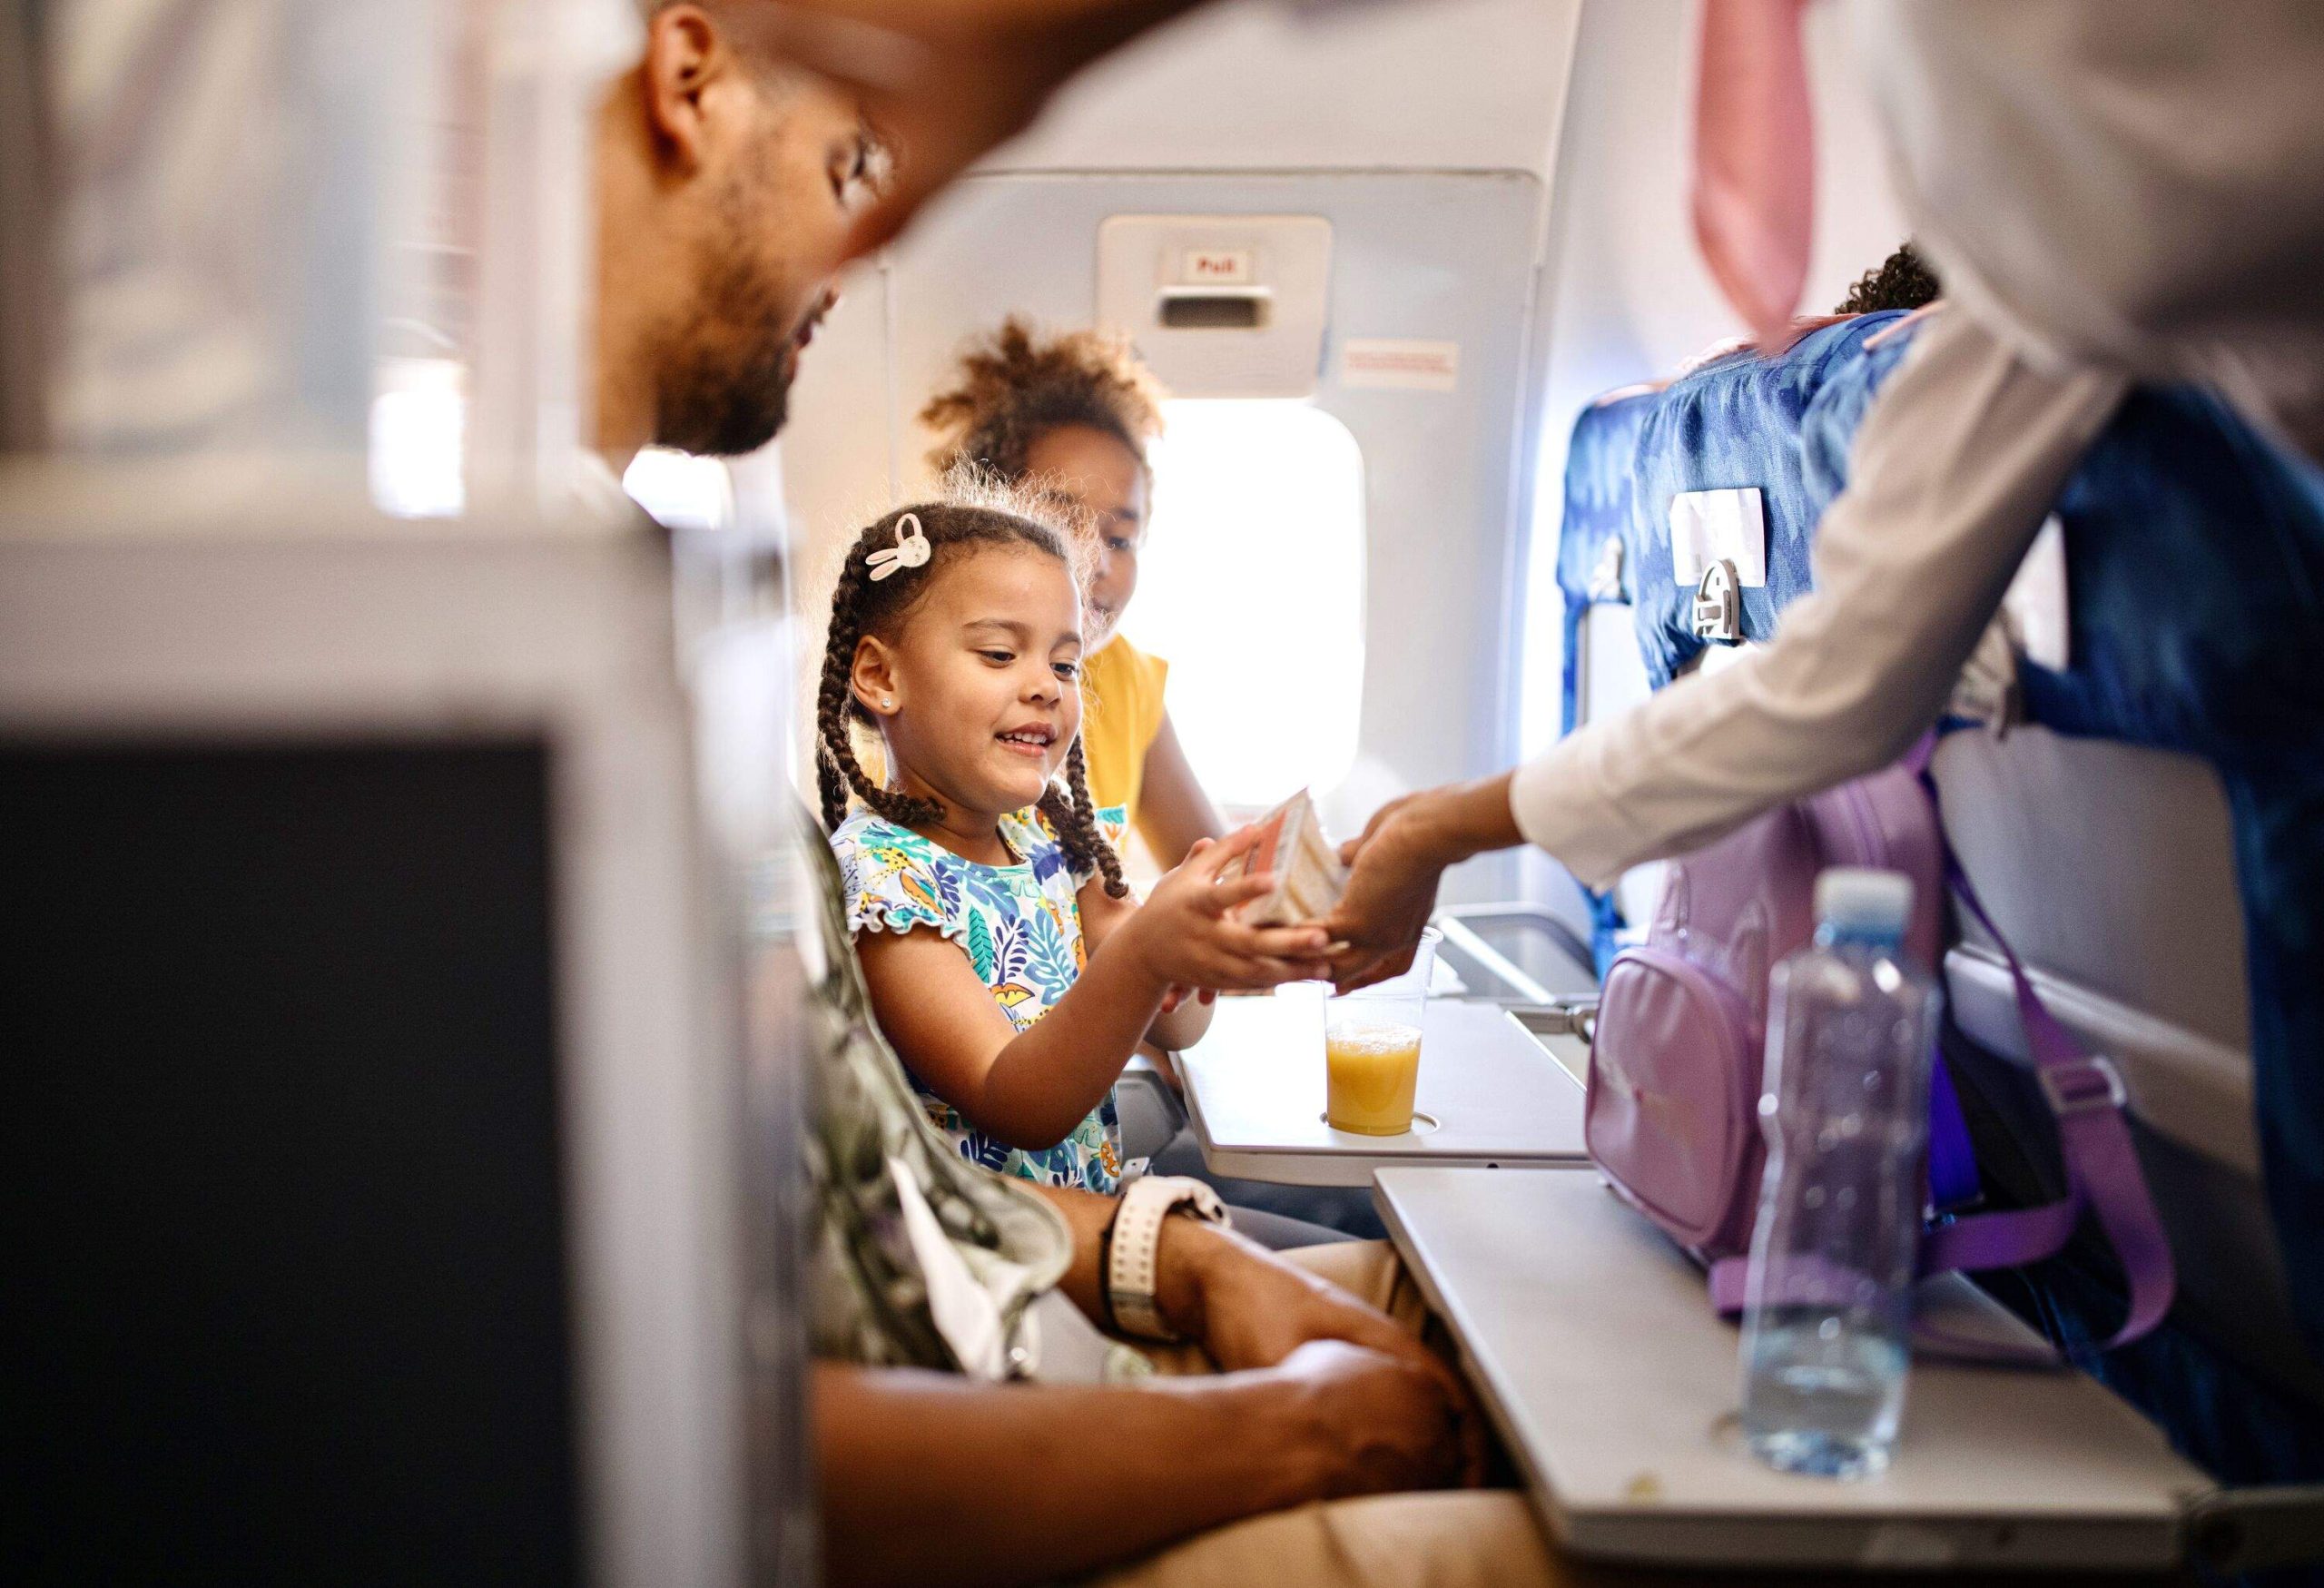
x: 887, y: 702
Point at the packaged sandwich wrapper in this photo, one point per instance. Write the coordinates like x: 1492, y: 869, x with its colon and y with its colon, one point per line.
x: 1308, y: 876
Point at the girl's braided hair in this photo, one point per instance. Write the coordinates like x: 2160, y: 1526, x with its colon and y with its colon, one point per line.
x: 1014, y: 390
x: 981, y: 514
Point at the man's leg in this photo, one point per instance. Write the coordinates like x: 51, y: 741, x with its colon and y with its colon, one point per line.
x: 1371, y: 1271
x: 1466, y: 1539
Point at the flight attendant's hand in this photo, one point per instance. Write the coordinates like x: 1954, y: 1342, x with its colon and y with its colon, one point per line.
x: 1396, y: 867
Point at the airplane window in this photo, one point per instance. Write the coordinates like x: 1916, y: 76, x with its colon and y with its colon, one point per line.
x: 1251, y: 584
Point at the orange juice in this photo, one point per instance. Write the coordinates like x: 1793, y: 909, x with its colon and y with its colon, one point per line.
x: 1369, y: 1073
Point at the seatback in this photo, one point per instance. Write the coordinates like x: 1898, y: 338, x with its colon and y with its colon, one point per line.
x: 2111, y: 868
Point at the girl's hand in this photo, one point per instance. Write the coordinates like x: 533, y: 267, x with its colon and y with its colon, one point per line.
x: 1185, y: 936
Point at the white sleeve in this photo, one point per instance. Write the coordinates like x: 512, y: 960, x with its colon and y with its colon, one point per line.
x: 1958, y: 460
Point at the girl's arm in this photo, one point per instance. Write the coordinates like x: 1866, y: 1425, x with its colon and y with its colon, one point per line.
x: 1030, y: 1088
x: 930, y: 1477
x: 1101, y: 915
x: 1174, y: 814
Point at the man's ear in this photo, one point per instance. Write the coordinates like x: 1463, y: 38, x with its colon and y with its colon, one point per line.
x: 873, y: 677
x: 684, y: 54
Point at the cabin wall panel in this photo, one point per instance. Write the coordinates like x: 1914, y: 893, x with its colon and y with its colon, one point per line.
x: 1426, y: 84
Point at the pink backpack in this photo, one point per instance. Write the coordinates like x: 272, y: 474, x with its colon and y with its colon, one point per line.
x: 1671, y: 1118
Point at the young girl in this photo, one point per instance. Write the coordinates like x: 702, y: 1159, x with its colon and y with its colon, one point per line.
x: 1006, y: 959
x: 1074, y: 414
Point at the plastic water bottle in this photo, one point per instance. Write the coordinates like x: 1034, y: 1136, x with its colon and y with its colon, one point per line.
x: 1828, y: 1307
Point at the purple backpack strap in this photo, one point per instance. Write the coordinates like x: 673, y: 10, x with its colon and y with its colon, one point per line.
x: 1952, y: 1161
x: 2086, y: 1096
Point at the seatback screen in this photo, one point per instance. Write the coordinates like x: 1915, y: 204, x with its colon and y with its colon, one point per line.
x: 285, y: 1288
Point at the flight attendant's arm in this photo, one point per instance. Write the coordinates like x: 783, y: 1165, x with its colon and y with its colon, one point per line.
x: 1957, y: 462
x: 1173, y: 811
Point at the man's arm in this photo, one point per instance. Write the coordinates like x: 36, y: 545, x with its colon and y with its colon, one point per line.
x: 1248, y: 1308
x: 927, y: 1477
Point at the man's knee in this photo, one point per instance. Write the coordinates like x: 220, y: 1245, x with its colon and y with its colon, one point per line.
x: 1369, y: 1270
x: 1467, y: 1539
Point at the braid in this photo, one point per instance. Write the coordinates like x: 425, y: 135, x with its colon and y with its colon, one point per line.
x: 1074, y: 815
x: 980, y: 511
x: 836, y: 768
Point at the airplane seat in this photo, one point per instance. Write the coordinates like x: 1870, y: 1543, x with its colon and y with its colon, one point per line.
x: 2149, y: 845
x: 2111, y: 867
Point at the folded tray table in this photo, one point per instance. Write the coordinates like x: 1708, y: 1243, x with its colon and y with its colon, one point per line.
x: 1588, y: 1336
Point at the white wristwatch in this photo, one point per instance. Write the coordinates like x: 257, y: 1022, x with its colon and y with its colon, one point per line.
x: 1135, y: 1242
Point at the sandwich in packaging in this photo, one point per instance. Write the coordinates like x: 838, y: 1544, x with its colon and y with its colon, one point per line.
x: 1308, y: 876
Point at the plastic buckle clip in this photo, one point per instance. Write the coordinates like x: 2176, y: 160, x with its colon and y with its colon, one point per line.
x: 2080, y: 1085
x: 1718, y: 604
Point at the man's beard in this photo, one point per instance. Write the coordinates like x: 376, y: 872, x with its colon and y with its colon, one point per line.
x: 725, y: 383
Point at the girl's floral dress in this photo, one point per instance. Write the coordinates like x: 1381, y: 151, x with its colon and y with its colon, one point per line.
x: 1021, y: 927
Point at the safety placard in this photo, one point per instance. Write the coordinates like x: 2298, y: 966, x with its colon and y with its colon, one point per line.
x: 1409, y: 366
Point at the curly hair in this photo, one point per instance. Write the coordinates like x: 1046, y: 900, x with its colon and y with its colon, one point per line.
x: 1015, y: 388
x: 1904, y: 280
x: 976, y: 513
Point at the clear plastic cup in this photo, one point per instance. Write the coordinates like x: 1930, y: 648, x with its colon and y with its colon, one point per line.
x: 1372, y: 1043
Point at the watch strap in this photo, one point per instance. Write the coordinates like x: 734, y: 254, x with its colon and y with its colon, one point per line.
x: 1133, y: 1255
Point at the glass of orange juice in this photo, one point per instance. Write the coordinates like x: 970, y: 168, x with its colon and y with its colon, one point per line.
x: 1371, y: 1050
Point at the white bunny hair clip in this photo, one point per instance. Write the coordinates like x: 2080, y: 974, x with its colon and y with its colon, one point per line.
x: 910, y: 550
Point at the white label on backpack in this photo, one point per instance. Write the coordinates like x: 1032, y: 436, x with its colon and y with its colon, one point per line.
x: 1715, y: 525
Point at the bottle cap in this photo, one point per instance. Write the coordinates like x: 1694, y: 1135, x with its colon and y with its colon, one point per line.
x: 1860, y: 899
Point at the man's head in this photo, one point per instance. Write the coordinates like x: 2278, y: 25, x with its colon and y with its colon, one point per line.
x: 726, y: 183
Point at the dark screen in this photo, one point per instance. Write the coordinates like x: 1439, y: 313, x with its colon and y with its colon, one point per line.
x: 284, y: 1298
